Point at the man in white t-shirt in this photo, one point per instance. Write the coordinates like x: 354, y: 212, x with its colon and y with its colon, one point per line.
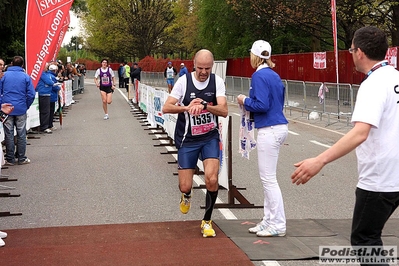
x: 375, y: 136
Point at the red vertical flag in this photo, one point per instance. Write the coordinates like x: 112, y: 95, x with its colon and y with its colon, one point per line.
x: 61, y: 36
x: 45, y: 20
x: 334, y: 26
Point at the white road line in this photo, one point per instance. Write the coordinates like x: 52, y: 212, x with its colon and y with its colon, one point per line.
x: 270, y: 263
x: 293, y: 133
x: 323, y: 128
x: 319, y: 143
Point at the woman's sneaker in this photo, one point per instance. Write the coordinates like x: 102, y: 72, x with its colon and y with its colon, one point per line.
x: 270, y: 232
x: 259, y: 227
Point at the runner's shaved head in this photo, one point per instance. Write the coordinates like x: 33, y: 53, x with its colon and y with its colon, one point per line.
x: 203, y: 63
x: 203, y: 54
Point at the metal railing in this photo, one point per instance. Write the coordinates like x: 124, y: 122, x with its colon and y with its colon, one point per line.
x: 330, y: 100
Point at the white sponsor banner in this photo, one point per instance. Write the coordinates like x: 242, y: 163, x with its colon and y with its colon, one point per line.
x: 392, y: 56
x: 32, y: 118
x: 320, y: 60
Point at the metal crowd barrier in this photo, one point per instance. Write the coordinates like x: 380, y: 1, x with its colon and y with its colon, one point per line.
x: 78, y: 84
x: 330, y: 100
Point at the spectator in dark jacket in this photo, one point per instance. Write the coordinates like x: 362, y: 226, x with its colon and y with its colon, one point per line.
x: 136, y: 72
x: 121, y: 73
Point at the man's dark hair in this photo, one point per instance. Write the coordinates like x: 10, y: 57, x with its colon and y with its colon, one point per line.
x: 372, y: 41
x: 18, y: 61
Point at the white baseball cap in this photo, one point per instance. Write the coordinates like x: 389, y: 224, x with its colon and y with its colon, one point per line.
x: 53, y: 67
x: 259, y: 47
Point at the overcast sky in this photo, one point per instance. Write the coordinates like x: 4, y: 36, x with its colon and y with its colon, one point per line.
x: 73, y: 24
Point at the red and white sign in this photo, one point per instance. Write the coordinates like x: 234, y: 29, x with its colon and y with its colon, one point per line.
x: 392, y: 56
x: 61, y: 36
x: 45, y: 19
x: 320, y: 60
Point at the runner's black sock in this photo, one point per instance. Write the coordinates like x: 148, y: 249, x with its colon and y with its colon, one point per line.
x: 211, y: 197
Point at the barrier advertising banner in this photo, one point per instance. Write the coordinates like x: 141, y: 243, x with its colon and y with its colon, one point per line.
x: 43, y: 24
x: 320, y: 60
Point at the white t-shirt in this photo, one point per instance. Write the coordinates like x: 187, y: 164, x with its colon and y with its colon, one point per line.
x: 377, y: 104
x: 179, y: 89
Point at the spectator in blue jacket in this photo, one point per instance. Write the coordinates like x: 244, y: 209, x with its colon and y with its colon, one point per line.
x: 266, y: 102
x: 183, y: 70
x: 121, y: 73
x: 53, y: 95
x: 44, y: 88
x: 16, y: 88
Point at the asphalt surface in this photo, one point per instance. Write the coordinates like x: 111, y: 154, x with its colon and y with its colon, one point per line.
x: 95, y: 171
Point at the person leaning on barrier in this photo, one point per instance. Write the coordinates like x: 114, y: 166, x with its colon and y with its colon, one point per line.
x: 45, y: 87
x: 54, y: 95
x: 198, y: 99
x: 375, y: 137
x: 266, y: 103
x: 136, y: 72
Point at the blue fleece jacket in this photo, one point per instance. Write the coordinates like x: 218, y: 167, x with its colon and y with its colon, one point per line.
x: 46, y: 83
x: 266, y: 98
x: 16, y: 88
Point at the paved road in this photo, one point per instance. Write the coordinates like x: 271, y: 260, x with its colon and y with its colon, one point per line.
x: 95, y: 171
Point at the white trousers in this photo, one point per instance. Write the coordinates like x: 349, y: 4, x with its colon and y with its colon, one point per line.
x: 268, y: 144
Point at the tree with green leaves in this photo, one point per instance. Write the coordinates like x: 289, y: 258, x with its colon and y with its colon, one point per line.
x: 128, y: 29
x: 12, y: 28
x: 183, y: 30
x: 311, y: 19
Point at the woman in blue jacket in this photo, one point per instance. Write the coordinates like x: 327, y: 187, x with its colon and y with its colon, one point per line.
x: 266, y: 102
x: 53, y: 96
x: 45, y: 86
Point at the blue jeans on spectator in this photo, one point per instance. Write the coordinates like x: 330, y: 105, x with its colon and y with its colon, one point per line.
x: 19, y: 121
